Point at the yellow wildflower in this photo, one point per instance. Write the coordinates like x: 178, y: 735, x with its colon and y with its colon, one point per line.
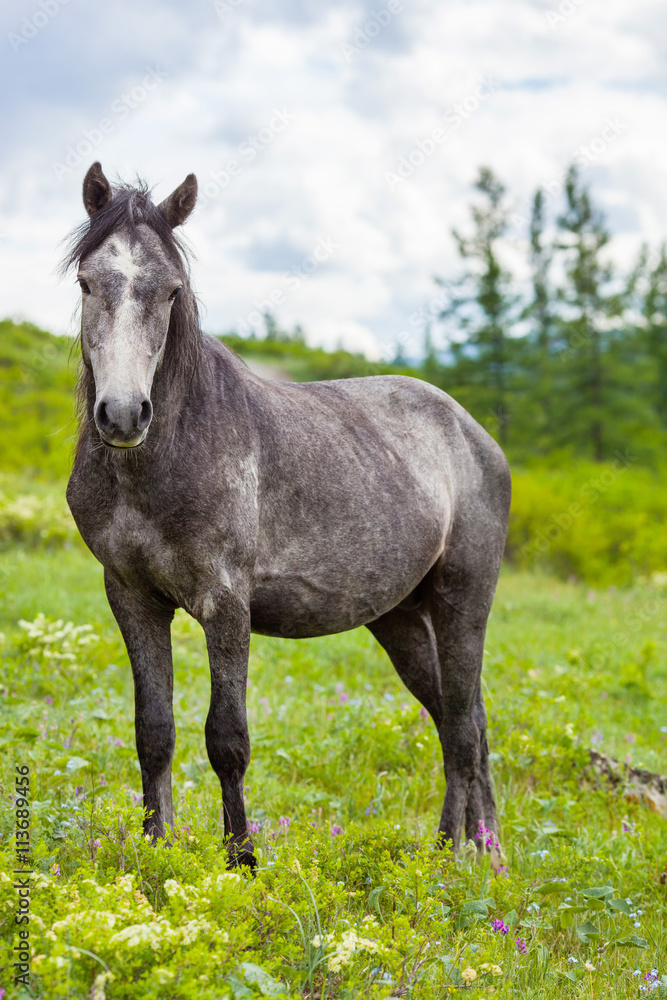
x: 469, y: 975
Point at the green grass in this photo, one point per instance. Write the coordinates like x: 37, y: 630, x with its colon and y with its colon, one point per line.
x: 337, y: 743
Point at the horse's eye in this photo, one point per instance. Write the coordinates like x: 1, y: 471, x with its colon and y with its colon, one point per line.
x: 84, y: 286
x: 174, y: 293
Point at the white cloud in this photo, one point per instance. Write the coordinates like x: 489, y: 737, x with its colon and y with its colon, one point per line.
x: 323, y: 175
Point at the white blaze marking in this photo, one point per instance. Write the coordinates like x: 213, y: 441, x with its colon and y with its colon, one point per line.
x: 124, y: 260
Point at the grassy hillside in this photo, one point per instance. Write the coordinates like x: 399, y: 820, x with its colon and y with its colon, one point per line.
x: 37, y: 374
x: 345, y: 784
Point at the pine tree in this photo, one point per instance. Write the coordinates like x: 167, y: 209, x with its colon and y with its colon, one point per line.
x: 482, y: 305
x: 589, y: 305
x: 654, y: 310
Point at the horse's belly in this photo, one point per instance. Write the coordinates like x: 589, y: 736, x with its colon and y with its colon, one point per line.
x: 328, y: 595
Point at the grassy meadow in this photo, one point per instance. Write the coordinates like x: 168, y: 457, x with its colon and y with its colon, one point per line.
x: 345, y: 784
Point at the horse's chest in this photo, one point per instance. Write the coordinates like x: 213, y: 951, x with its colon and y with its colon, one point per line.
x: 137, y: 548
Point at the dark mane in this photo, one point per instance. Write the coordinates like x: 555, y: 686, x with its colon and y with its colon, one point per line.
x: 129, y: 207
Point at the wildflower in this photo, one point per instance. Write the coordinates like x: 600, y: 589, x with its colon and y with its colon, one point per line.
x: 49, y: 701
x: 589, y: 967
x: 55, y: 869
x: 637, y: 923
x: 572, y: 960
x: 336, y: 830
x: 488, y: 836
x: 521, y: 945
x: 424, y: 714
x: 637, y: 972
x: 469, y: 975
x: 370, y: 811
x: 502, y: 870
x: 79, y: 790
x: 285, y: 822
x: 344, y: 697
x: 496, y: 970
x: 596, y: 738
x: 102, y: 780
x: 498, y: 925
x: 255, y: 828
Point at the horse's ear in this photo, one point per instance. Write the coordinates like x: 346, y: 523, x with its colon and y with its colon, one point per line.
x: 177, y: 207
x: 96, y: 189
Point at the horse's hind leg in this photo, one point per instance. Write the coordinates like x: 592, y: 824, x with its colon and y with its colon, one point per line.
x: 407, y: 637
x: 437, y: 650
x: 461, y: 591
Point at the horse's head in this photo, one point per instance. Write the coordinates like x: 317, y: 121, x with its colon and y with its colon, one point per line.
x: 131, y: 273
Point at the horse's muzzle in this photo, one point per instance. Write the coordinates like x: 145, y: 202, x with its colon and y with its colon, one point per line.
x: 123, y: 425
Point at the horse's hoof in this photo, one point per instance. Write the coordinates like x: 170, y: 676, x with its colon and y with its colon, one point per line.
x: 239, y: 859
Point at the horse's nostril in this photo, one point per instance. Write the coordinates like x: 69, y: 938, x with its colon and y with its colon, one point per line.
x: 145, y: 415
x: 102, y: 417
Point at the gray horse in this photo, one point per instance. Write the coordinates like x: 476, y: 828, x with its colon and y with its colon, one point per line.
x: 289, y: 510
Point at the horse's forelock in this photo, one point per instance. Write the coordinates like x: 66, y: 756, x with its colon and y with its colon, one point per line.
x: 129, y: 207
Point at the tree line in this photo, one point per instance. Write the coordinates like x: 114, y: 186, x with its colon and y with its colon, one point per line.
x: 568, y: 358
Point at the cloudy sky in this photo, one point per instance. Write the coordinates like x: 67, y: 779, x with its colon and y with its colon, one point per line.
x: 335, y: 142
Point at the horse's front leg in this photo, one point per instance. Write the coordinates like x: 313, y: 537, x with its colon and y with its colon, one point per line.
x: 145, y: 626
x: 227, y: 741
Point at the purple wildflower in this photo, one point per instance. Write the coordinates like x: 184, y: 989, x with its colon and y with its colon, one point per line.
x: 255, y: 828
x: 49, y: 701
x: 79, y: 791
x: 423, y: 713
x: 55, y: 869
x: 285, y: 822
x: 521, y: 945
x: 336, y: 830
x: 498, y: 925
x: 488, y: 836
x: 102, y: 780
x: 344, y: 697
